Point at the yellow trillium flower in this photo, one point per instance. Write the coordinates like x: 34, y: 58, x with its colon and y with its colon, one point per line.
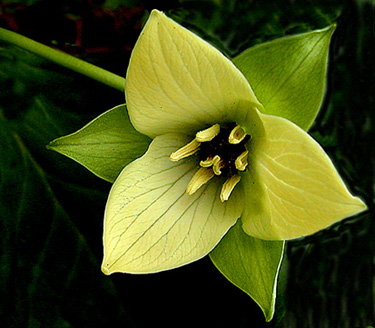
x: 215, y: 158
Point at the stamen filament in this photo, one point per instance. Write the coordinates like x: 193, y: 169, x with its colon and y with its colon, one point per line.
x: 236, y: 135
x: 228, y: 187
x: 185, y: 151
x: 202, y: 176
x: 208, y: 134
x: 241, y: 161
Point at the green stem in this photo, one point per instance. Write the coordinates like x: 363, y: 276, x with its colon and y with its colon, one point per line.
x: 61, y: 58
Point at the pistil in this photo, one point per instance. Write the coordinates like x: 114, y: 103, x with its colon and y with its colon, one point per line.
x: 218, y: 165
x: 209, y: 161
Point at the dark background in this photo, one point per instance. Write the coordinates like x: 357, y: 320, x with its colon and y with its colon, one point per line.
x: 51, y: 208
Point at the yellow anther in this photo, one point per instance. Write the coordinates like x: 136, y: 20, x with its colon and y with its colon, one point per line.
x: 185, y: 151
x: 236, y: 135
x: 228, y: 187
x: 202, y: 176
x: 208, y: 134
x: 241, y: 161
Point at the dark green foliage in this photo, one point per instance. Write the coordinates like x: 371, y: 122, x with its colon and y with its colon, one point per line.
x: 51, y: 208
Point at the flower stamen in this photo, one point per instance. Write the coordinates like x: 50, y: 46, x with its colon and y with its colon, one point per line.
x: 241, y: 161
x: 236, y: 135
x: 221, y: 152
x: 185, y: 151
x: 202, y: 176
x: 208, y: 134
x: 228, y: 187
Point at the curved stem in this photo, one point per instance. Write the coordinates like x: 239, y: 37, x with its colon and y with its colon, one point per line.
x: 63, y: 59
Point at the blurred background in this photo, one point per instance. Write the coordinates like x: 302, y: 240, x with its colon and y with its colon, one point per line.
x: 51, y: 209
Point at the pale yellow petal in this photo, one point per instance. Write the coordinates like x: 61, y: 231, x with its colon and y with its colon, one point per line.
x: 151, y: 224
x: 177, y: 82
x: 292, y: 188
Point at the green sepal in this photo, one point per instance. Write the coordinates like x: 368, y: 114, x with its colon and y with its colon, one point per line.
x: 288, y: 75
x: 105, y: 145
x: 252, y: 265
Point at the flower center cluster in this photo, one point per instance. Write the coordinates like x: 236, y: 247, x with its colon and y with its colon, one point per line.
x: 221, y: 152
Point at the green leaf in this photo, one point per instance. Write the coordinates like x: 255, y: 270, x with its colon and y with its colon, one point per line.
x: 251, y: 264
x: 49, y: 255
x: 105, y: 145
x: 288, y: 75
x: 43, y: 255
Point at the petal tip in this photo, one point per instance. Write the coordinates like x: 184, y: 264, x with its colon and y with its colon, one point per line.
x: 156, y: 14
x: 361, y: 205
x: 105, y: 270
x: 51, y: 145
x: 330, y: 28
